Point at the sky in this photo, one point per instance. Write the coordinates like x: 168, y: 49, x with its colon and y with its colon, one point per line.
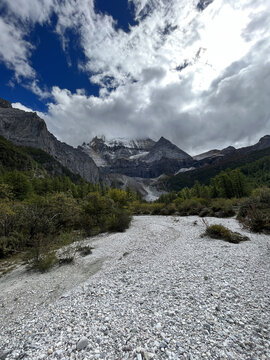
x: 194, y: 71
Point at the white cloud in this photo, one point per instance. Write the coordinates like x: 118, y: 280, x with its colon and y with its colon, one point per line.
x: 220, y: 95
x: 20, y: 106
x: 33, y: 11
x: 14, y: 50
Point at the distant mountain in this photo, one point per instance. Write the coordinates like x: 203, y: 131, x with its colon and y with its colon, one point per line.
x: 263, y: 143
x: 139, y: 163
x: 136, y: 157
x: 105, y: 152
x: 211, y: 163
x: 214, y: 153
x: 27, y: 129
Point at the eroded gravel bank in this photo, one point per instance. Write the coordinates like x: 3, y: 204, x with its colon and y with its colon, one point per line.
x: 163, y: 292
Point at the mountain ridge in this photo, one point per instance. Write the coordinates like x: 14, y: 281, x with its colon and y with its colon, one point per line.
x: 103, y: 160
x: 136, y: 157
x: 28, y: 129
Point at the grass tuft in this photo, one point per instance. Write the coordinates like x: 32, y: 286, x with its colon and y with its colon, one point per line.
x: 218, y: 231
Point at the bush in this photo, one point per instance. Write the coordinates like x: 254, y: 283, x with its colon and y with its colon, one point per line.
x: 45, y: 263
x: 222, y: 208
x: 254, y: 212
x: 119, y: 221
x: 221, y: 232
x: 190, y: 207
x: 84, y: 250
x: 169, y: 209
x: 205, y: 212
x: 66, y: 260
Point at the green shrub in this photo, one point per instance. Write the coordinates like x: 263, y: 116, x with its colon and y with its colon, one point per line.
x: 222, y: 208
x: 67, y: 260
x: 45, y: 263
x: 169, y: 209
x: 155, y: 208
x: 119, y: 220
x: 204, y: 212
x: 221, y: 232
x: 40, y: 261
x: 254, y: 212
x: 84, y: 250
x: 190, y: 207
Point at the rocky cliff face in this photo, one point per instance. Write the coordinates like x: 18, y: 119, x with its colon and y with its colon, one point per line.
x: 27, y: 129
x: 5, y: 104
x: 263, y: 143
x: 136, y: 158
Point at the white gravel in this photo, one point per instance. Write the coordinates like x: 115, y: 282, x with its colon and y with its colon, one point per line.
x: 163, y: 292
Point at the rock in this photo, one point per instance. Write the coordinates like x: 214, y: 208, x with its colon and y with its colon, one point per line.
x: 59, y: 353
x: 207, y: 327
x: 181, y: 350
x: 5, y: 104
x: 127, y: 348
x: 82, y: 343
x: 4, y: 354
x: 162, y: 345
x: 167, y: 269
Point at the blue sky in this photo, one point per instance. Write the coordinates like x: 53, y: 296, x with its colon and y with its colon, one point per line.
x: 56, y: 65
x: 137, y: 68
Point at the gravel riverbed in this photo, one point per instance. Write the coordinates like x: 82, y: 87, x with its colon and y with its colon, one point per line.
x: 157, y: 291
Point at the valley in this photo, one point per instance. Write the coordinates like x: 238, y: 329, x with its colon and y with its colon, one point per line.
x: 146, y: 166
x: 134, y: 180
x: 162, y: 292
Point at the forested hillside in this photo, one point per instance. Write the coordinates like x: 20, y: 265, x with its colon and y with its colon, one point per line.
x: 43, y: 205
x: 243, y: 190
x: 203, y: 175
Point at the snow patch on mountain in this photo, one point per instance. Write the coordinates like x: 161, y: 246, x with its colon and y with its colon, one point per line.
x: 184, y: 170
x: 140, y: 155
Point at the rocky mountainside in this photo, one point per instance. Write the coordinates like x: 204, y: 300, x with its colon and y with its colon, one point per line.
x: 145, y: 158
x: 262, y: 144
x: 212, y: 163
x: 214, y: 153
x: 136, y: 158
x: 216, y: 156
x: 28, y: 129
x: 105, y: 152
x: 125, y: 162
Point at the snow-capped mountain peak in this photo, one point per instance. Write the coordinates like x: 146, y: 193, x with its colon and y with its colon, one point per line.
x: 141, y: 157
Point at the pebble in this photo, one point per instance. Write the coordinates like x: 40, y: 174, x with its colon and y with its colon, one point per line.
x: 157, y: 303
x: 82, y: 343
x: 4, y: 354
